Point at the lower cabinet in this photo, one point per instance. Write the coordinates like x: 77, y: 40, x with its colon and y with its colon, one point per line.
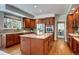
x: 73, y: 44
x: 25, y: 46
x: 46, y: 46
x: 34, y: 46
x: 37, y: 47
x: 12, y: 39
x: 77, y: 48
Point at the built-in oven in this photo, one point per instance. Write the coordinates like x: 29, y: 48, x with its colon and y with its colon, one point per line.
x: 49, y: 28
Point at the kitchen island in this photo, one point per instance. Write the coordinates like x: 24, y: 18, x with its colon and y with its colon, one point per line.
x: 32, y: 44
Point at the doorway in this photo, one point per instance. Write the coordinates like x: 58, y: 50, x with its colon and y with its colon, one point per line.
x: 60, y: 30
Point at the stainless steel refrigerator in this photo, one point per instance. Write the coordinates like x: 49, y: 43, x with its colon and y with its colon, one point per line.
x: 40, y: 29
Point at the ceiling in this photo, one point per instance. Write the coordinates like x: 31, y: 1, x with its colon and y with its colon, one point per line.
x: 40, y: 9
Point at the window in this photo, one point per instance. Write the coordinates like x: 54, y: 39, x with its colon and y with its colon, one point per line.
x: 12, y: 23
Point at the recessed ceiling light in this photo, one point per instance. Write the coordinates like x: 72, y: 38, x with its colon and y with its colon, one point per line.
x: 35, y: 6
x: 73, y: 8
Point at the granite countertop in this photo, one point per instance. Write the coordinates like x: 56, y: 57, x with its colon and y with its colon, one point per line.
x: 75, y: 36
x: 37, y: 36
x: 15, y: 32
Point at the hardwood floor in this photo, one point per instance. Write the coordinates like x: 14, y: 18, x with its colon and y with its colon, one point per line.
x: 13, y: 50
x: 59, y: 47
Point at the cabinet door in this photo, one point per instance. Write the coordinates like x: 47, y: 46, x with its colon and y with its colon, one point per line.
x: 47, y: 22
x: 39, y: 21
x: 51, y: 39
x: 25, y: 46
x: 37, y: 47
x: 9, y: 40
x: 70, y: 22
x: 68, y: 41
x: 77, y: 48
x: 51, y: 21
x: 74, y: 45
x: 26, y: 23
x: 77, y: 19
x: 16, y: 38
x: 46, y: 47
x: 32, y: 23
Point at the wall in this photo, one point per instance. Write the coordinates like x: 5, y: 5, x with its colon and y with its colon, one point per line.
x: 4, y: 12
x: 1, y: 20
x: 62, y: 17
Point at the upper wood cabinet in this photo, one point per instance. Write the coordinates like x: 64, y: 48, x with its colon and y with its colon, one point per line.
x: 50, y: 21
x: 70, y: 23
x: 31, y: 23
x: 40, y: 21
x: 26, y: 23
x: 77, y: 17
x: 73, y: 21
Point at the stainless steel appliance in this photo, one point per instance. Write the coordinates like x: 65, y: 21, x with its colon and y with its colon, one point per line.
x: 49, y: 28
x: 40, y: 29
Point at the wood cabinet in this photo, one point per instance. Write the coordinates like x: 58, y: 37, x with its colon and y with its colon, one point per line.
x: 26, y: 22
x: 73, y: 44
x: 9, y: 40
x: 50, y: 21
x: 25, y: 46
x: 12, y: 39
x: 70, y: 23
x: 76, y: 13
x: 34, y: 46
x: 46, y: 48
x: 31, y: 23
x: 37, y: 46
x: 69, y: 41
x: 39, y: 21
x: 73, y: 21
x: 77, y: 48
